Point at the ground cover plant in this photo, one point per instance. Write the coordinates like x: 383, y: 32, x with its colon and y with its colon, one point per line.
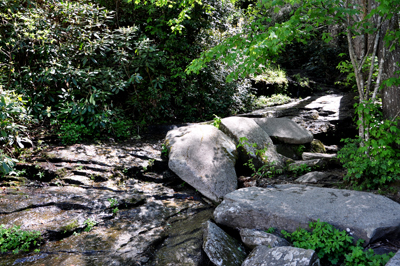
x: 14, y: 239
x: 334, y: 247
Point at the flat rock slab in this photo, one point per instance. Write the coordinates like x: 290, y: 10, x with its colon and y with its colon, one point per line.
x: 285, y: 130
x: 239, y: 127
x: 366, y: 215
x: 312, y: 155
x: 281, y: 256
x: 205, y: 158
x: 221, y: 248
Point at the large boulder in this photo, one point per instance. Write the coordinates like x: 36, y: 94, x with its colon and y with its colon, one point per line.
x: 205, y: 158
x: 239, y: 127
x: 289, y: 207
x: 221, y: 248
x: 285, y: 130
x: 281, y: 256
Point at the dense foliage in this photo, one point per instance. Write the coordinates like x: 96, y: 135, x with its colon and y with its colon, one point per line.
x: 106, y: 67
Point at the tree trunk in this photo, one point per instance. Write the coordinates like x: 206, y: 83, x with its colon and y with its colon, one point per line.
x: 391, y: 95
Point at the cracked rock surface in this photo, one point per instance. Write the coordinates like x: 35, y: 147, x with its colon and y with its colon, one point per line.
x: 136, y: 204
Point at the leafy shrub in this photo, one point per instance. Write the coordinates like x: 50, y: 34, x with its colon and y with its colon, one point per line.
x: 72, y: 133
x: 13, y: 115
x: 333, y: 246
x: 15, y: 239
x: 376, y: 161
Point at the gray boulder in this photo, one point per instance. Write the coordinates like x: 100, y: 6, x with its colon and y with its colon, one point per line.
x: 312, y: 177
x: 252, y: 238
x: 281, y: 256
x: 204, y: 157
x: 221, y: 248
x: 365, y: 215
x: 285, y: 130
x: 395, y: 261
x: 238, y: 127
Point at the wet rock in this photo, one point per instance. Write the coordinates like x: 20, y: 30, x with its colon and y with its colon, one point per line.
x: 312, y: 177
x: 252, y: 238
x: 222, y: 249
x: 238, y: 127
x: 394, y: 261
x: 204, y: 157
x: 285, y: 130
x: 313, y: 155
x: 184, y: 242
x: 281, y: 256
x: 368, y: 216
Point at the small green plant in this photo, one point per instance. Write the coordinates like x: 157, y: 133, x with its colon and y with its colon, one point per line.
x: 270, y: 230
x: 15, y: 239
x: 302, y: 81
x: 300, y: 169
x: 333, y: 246
x: 164, y: 150
x: 90, y: 223
x: 71, y: 226
x: 113, y: 202
x: 245, y: 141
x: 150, y: 163
x: 360, y: 257
x: 300, y: 149
x: 19, y: 172
x: 216, y: 121
x: 40, y: 174
x: 266, y: 170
